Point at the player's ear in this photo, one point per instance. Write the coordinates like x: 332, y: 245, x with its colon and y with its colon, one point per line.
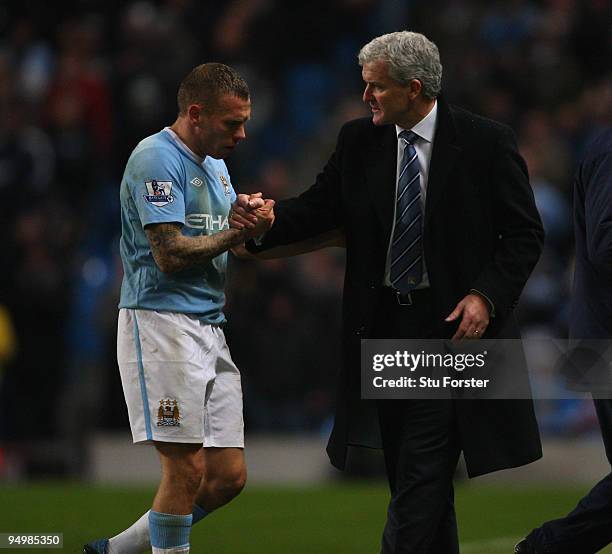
x: 194, y: 111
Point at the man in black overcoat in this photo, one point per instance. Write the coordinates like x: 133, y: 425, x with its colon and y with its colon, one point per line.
x: 441, y: 234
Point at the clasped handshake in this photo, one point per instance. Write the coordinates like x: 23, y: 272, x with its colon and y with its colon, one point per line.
x: 252, y: 213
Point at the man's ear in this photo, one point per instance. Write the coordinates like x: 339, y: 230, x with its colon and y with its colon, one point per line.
x: 194, y: 112
x: 414, y: 88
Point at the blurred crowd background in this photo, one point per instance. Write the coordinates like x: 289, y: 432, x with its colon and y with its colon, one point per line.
x: 81, y: 82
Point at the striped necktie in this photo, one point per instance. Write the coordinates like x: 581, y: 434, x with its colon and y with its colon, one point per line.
x: 406, y: 249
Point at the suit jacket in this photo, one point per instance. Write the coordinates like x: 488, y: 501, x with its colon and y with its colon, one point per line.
x: 481, y: 231
x: 591, y: 305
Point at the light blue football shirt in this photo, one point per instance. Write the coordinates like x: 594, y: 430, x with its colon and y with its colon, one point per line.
x: 164, y: 182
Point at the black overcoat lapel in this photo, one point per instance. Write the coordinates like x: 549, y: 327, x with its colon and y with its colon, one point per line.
x: 381, y: 167
x: 446, y: 152
x: 381, y: 172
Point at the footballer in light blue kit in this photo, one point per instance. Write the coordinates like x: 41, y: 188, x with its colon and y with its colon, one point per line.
x: 165, y: 182
x: 181, y: 387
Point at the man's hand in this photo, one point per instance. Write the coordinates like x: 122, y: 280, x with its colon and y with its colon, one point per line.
x: 252, y: 213
x: 265, y: 219
x: 242, y: 214
x: 475, y: 318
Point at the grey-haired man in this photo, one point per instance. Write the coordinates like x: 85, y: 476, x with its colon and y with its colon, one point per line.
x: 441, y: 233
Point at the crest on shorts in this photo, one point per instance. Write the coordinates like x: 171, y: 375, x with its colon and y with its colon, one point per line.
x: 159, y: 192
x: 168, y: 414
x: 225, y: 184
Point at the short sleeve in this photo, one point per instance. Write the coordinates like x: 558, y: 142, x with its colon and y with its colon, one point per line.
x: 156, y: 183
x: 231, y: 186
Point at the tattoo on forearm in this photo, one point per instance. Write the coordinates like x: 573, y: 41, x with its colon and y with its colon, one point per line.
x: 173, y: 251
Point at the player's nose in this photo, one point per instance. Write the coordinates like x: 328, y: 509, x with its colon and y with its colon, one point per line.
x: 240, y: 134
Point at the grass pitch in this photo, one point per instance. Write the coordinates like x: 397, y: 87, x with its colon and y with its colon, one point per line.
x: 335, y: 519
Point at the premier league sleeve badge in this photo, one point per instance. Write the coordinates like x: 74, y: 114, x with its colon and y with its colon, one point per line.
x: 159, y: 192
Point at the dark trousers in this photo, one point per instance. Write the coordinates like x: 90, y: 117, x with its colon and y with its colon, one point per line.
x: 421, y: 446
x: 588, y: 527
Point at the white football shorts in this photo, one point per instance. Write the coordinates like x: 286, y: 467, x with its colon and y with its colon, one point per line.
x: 179, y: 380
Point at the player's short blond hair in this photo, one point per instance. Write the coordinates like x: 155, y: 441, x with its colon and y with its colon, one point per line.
x: 206, y: 83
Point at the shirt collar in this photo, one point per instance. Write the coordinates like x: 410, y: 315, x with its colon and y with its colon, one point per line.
x: 425, y: 128
x: 182, y: 146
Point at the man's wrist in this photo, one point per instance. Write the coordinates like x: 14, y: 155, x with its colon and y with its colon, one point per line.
x: 238, y: 236
x: 488, y: 301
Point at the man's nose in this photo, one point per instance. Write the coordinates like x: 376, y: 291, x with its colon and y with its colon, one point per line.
x: 367, y: 94
x: 240, y: 134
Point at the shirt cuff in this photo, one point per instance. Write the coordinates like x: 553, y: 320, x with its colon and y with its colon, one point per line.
x: 259, y: 239
x: 254, y: 244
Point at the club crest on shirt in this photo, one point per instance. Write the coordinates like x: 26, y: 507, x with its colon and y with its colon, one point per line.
x: 168, y: 413
x: 159, y: 192
x: 225, y: 184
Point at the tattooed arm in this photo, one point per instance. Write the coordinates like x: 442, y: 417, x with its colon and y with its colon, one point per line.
x: 173, y: 251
